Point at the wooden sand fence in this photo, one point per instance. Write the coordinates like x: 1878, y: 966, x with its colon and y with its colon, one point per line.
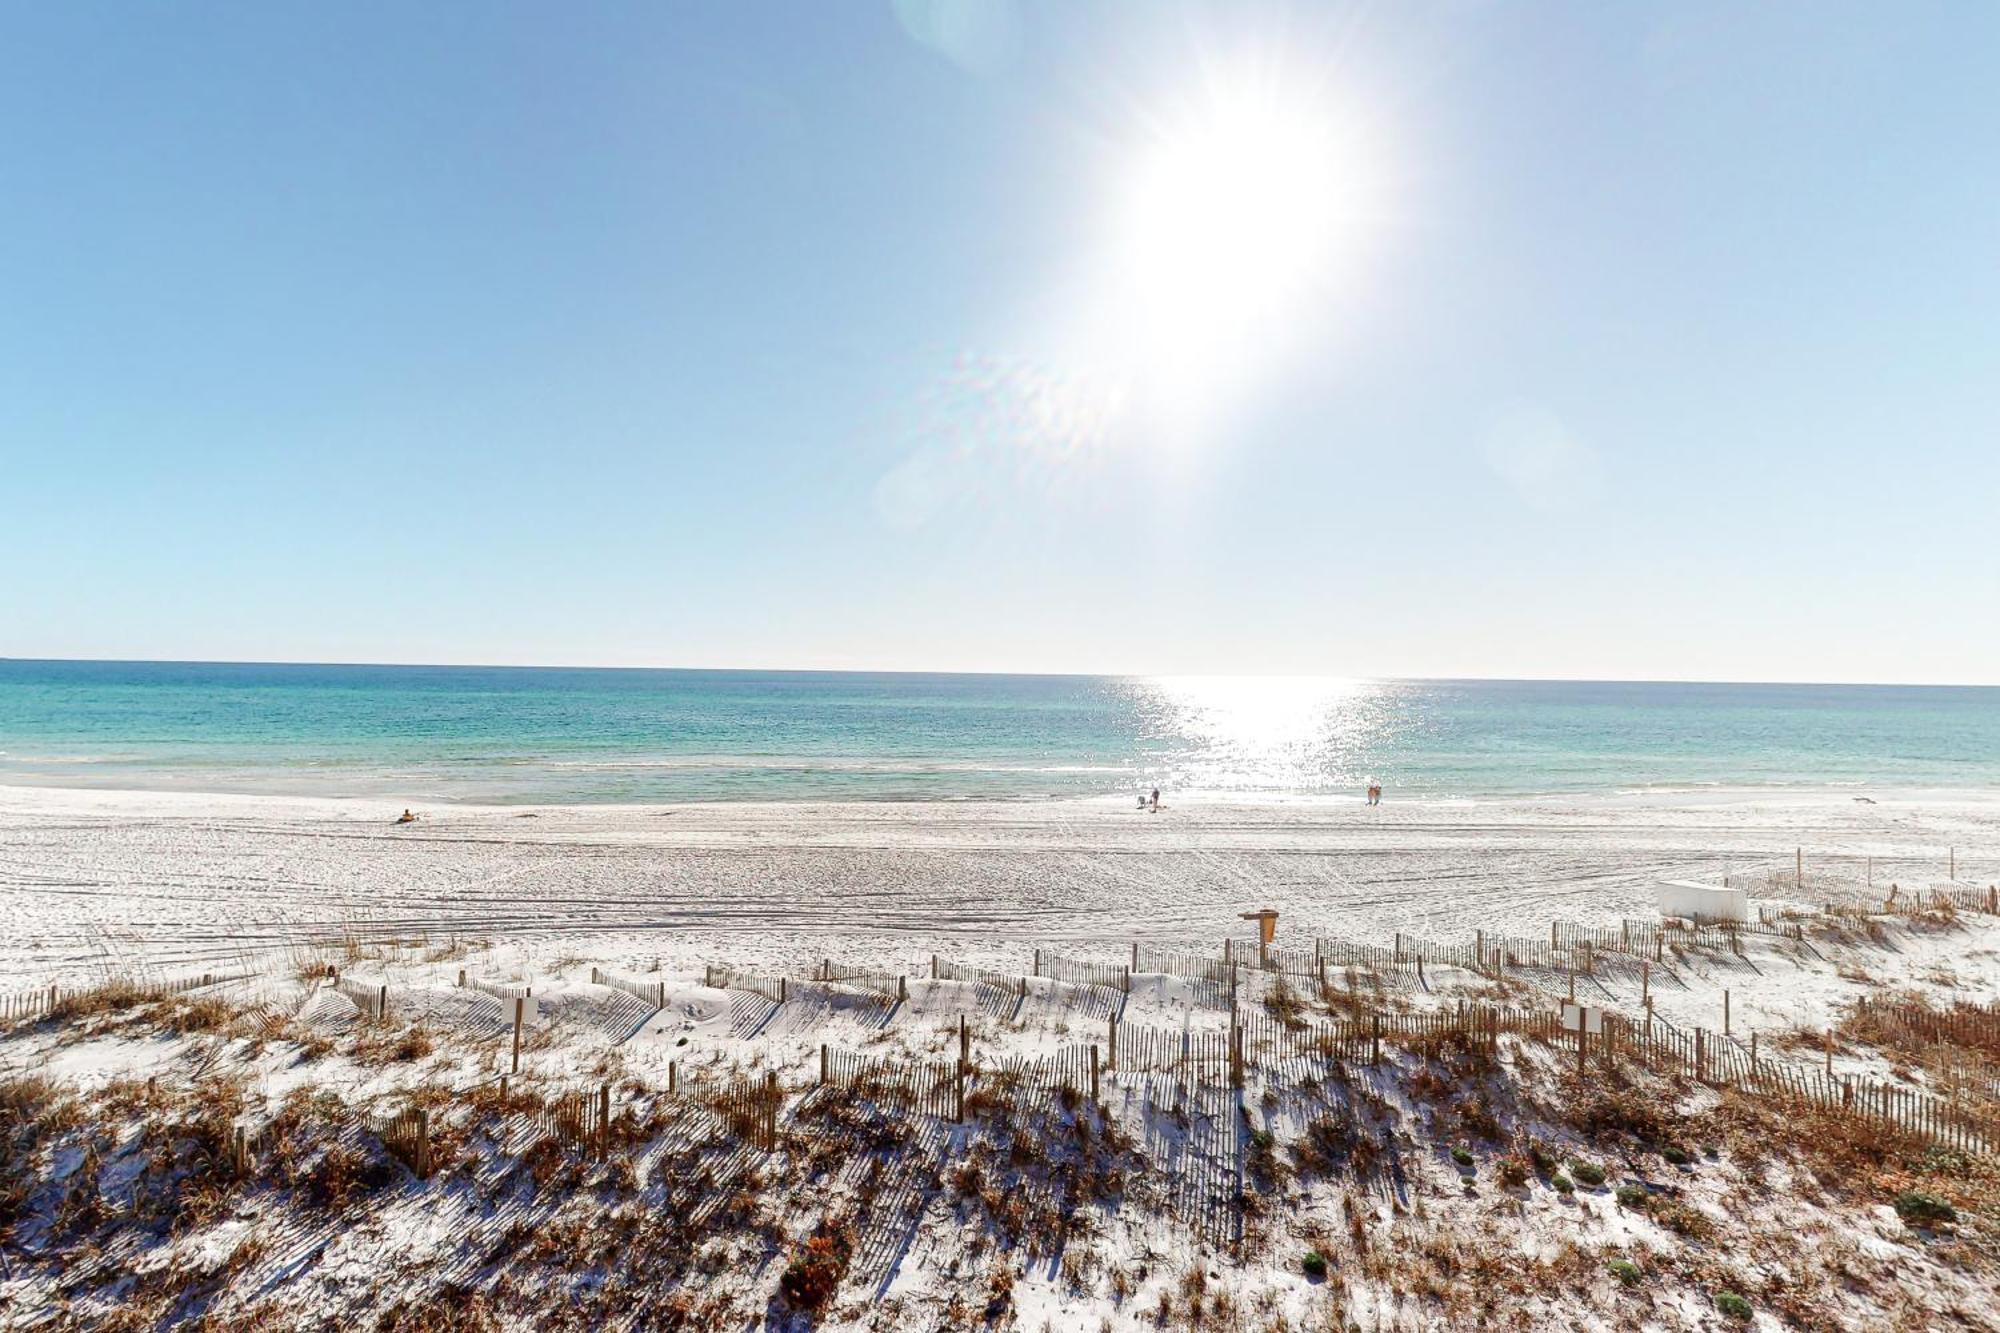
x: 55, y: 999
x: 1071, y: 1069
x: 911, y: 1087
x: 1111, y: 976
x: 1719, y: 1061
x: 651, y: 992
x: 1189, y: 967
x: 1013, y: 983
x: 886, y: 984
x: 407, y: 1136
x: 499, y: 990
x: 370, y: 997
x: 1137, y: 1048
x: 746, y: 1103
x: 1976, y: 1026
x: 718, y: 977
x: 1337, y: 952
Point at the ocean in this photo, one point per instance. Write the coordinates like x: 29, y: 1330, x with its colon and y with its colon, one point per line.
x: 545, y: 735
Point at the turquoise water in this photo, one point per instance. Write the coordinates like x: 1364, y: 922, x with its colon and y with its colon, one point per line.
x: 549, y: 735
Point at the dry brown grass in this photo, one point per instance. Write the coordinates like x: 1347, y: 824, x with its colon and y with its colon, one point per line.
x: 375, y: 1046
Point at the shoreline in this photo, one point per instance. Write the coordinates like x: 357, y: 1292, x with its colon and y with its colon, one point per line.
x: 1634, y: 797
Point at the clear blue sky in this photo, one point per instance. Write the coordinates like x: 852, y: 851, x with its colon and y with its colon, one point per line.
x: 1607, y: 340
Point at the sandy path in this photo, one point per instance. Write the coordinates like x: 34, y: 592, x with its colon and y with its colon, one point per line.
x: 94, y: 878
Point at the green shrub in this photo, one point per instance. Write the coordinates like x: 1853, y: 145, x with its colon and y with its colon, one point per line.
x: 1513, y: 1172
x: 1917, y: 1206
x: 1586, y: 1173
x: 1543, y: 1162
x: 1461, y: 1154
x: 1562, y: 1185
x: 1632, y: 1196
x: 1732, y: 1305
x: 1675, y: 1155
x: 1314, y: 1263
x: 1624, y: 1270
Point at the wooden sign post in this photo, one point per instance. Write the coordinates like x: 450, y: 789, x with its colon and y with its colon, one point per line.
x: 1583, y: 1020
x: 1267, y: 930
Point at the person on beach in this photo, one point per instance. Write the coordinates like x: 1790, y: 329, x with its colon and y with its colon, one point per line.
x: 1156, y: 800
x: 407, y: 817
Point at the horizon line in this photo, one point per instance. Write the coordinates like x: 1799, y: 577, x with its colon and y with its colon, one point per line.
x: 1044, y: 675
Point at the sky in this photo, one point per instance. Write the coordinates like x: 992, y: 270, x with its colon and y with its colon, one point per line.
x: 1444, y: 339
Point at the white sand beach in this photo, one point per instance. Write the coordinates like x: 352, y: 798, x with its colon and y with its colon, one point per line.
x: 100, y: 881
x: 157, y: 879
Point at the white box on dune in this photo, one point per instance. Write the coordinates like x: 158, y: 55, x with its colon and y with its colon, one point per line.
x: 1703, y: 902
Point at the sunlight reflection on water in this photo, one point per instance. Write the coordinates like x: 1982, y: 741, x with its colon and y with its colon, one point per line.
x: 1302, y: 733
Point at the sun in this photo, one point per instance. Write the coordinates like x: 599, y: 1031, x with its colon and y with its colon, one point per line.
x: 1234, y: 214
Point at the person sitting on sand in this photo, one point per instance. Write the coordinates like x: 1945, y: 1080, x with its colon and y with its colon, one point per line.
x: 407, y: 818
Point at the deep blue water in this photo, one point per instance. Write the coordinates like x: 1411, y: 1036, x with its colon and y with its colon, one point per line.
x: 573, y: 734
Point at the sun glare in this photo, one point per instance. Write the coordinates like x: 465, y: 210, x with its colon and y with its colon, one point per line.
x: 1233, y: 215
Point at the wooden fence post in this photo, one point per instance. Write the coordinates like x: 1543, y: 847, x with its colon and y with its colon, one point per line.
x: 1135, y: 955
x: 242, y: 1151
x: 1235, y: 1052
x: 822, y: 1064
x: 1375, y: 1047
x: 902, y: 988
x: 1725, y: 1012
x: 1111, y: 1038
x: 673, y: 1076
x: 382, y: 1002
x: 964, y: 1064
x: 1645, y: 983
x: 1798, y: 867
x: 604, y: 1120
x: 423, y: 1143
x: 1700, y: 1056
x: 520, y: 1011
x: 1093, y: 1074
x: 770, y: 1117
x: 461, y: 978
